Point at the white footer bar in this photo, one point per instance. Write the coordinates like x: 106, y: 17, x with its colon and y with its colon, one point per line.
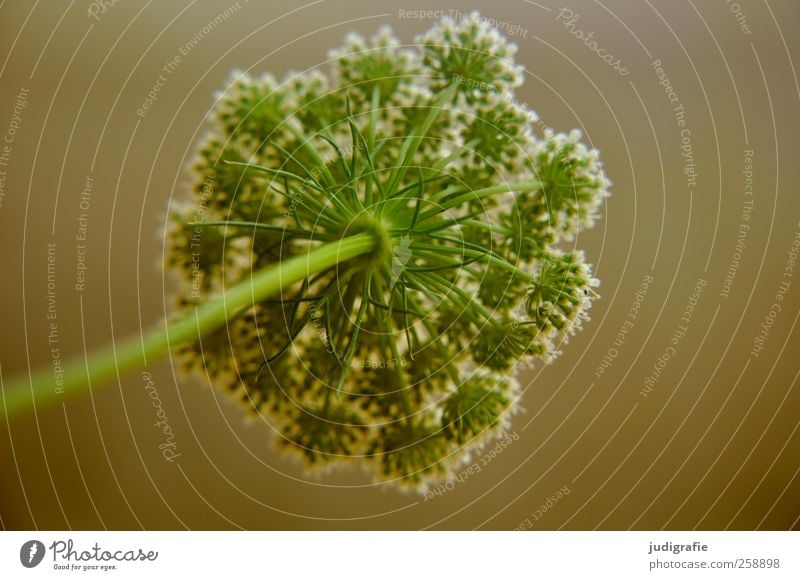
x: 401, y: 555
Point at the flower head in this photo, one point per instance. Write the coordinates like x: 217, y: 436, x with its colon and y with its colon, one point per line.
x: 470, y: 52
x: 400, y: 358
x: 573, y: 182
x: 362, y: 66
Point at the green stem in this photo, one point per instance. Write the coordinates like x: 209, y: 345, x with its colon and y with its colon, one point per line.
x: 41, y: 388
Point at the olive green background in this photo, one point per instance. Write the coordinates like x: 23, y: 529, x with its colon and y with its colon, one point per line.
x: 714, y: 446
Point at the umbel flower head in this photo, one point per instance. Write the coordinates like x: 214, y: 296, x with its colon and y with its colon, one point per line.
x: 402, y: 358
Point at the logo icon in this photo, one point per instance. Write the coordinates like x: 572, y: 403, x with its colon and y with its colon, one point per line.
x: 31, y: 553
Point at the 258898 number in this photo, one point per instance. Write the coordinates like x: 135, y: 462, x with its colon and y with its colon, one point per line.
x: 758, y: 563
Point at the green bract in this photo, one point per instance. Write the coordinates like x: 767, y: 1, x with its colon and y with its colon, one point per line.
x: 402, y: 357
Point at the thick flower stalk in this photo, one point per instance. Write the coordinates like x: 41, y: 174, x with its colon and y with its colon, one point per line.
x: 402, y: 357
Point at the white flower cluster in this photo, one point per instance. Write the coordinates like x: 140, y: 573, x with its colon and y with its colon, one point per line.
x: 574, y: 183
x: 401, y: 360
x: 470, y: 49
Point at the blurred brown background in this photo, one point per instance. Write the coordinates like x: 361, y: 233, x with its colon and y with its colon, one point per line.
x: 713, y: 446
